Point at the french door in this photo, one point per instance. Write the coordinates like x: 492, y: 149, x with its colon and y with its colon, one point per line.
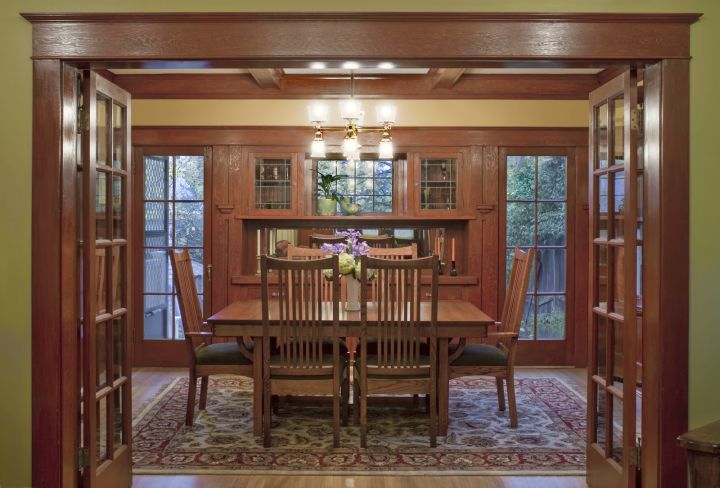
x: 105, y: 334
x: 614, y: 382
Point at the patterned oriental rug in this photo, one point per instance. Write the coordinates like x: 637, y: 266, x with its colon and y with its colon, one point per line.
x: 550, y: 438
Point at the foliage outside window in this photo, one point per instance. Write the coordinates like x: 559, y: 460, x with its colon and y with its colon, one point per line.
x: 368, y: 182
x: 536, y: 217
x: 173, y: 188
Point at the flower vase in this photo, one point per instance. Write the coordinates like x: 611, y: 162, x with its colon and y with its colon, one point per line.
x: 352, y: 304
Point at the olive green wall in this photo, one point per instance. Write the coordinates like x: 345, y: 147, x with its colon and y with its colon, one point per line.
x: 15, y: 209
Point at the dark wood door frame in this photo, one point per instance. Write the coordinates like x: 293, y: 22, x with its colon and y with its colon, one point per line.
x: 660, y: 41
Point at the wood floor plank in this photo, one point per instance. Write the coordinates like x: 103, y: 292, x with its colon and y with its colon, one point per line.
x: 148, y: 381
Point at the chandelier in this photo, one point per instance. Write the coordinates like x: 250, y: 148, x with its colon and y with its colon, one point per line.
x: 352, y: 113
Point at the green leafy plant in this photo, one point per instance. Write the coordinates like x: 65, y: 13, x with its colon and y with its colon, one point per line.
x: 325, y: 185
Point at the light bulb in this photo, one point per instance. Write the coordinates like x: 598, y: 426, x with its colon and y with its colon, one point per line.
x: 386, y: 114
x: 385, y: 149
x: 317, y: 148
x: 350, y: 146
x: 350, y: 109
x: 318, y: 113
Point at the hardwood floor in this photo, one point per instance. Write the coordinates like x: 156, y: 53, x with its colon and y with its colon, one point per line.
x: 147, y: 381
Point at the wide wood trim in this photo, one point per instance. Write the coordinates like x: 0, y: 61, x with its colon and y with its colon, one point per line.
x: 55, y: 381
x: 666, y: 268
x: 409, y: 87
x: 456, y: 40
x: 404, y: 137
x: 687, y: 18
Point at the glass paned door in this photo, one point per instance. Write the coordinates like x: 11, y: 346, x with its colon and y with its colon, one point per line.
x: 173, y: 217
x: 106, y: 421
x: 536, y: 216
x: 615, y: 179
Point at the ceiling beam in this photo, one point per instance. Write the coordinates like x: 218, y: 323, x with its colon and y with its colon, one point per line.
x: 409, y: 87
x: 445, y: 77
x: 267, y: 77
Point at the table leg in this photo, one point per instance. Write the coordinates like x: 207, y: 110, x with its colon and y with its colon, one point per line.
x: 443, y: 386
x: 257, y: 386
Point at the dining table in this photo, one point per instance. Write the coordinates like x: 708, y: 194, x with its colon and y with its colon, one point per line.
x: 455, y: 318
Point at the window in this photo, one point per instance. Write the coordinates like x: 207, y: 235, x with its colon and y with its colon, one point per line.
x: 369, y: 183
x: 173, y: 193
x: 536, y: 217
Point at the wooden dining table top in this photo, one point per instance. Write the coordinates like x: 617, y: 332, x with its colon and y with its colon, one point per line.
x: 454, y: 318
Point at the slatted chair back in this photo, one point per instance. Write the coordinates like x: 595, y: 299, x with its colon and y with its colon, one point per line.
x: 317, y: 240
x: 397, y: 306
x: 383, y: 241
x: 405, y: 252
x: 295, y: 253
x: 300, y: 312
x: 514, y: 305
x: 188, y: 300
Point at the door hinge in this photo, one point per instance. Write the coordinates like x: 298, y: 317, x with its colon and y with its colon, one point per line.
x: 82, y: 119
x: 209, y: 272
x: 83, y: 458
x: 636, y: 115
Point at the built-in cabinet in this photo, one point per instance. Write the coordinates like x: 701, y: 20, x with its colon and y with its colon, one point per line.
x: 446, y: 185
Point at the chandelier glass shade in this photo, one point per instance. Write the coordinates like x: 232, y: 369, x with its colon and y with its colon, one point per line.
x: 352, y: 113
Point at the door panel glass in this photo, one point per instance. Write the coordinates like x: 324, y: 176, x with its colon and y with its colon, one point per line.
x: 601, y: 349
x: 603, y: 206
x: 602, y: 136
x: 602, y: 277
x: 118, y: 215
x: 100, y: 283
x: 601, y: 416
x: 619, y: 280
x: 527, y: 326
x: 102, y: 141
x: 118, y: 276
x: 552, y: 177
x: 618, y: 106
x: 551, y: 272
x: 119, y: 328
x: 173, y: 218
x: 118, y: 125
x: 521, y: 178
x: 101, y: 354
x: 617, y: 429
x: 619, y: 203
x: 101, y: 227
x: 101, y: 443
x: 618, y: 353
x: 118, y: 437
x: 552, y: 221
x: 551, y: 317
x: 520, y: 224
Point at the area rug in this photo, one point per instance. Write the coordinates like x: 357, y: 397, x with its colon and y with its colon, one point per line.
x: 550, y: 438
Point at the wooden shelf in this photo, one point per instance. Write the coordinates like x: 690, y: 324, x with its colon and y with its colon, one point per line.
x: 444, y: 280
x: 359, y: 218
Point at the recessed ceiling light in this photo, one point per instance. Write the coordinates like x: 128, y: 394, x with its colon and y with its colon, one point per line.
x: 318, y: 65
x: 386, y: 65
x: 351, y: 65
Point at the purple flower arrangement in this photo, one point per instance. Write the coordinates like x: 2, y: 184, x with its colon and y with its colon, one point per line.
x: 348, y: 252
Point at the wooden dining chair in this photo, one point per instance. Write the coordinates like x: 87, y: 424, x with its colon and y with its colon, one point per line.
x: 299, y: 364
x: 405, y: 252
x: 317, y: 240
x: 206, y: 358
x: 399, y: 365
x: 498, y: 359
x: 384, y: 241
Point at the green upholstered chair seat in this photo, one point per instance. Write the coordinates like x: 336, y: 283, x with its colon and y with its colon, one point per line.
x: 480, y: 355
x: 222, y: 353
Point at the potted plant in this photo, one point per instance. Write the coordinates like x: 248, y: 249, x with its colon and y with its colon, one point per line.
x: 327, y: 196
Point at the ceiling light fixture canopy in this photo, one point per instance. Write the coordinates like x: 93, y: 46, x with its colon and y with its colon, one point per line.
x: 352, y: 113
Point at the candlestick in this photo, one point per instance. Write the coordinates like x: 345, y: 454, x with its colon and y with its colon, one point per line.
x: 453, y: 269
x: 452, y: 248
